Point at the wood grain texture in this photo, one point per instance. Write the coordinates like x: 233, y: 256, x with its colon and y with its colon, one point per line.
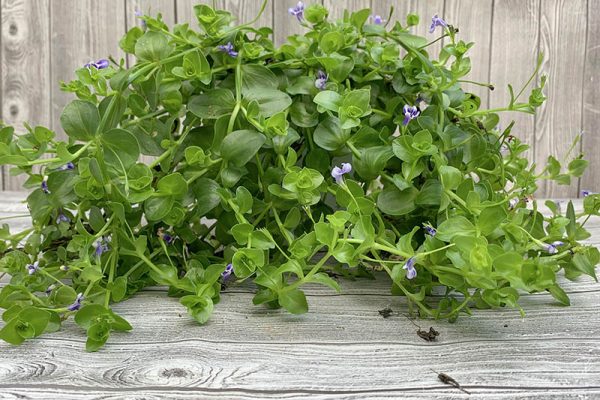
x: 91, y: 31
x: 424, y: 9
x: 562, y: 40
x: 285, y: 25
x: 591, y: 100
x: 473, y: 18
x: 514, y: 52
x: 25, y: 57
x: 341, y: 349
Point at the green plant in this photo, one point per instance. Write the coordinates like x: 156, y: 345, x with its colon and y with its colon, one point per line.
x: 346, y: 149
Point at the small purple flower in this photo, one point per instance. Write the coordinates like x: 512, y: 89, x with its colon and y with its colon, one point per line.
x: 410, y: 113
x: 101, y: 247
x: 337, y: 173
x: 411, y: 272
x: 33, y: 268
x: 228, y: 271
x: 512, y: 203
x: 435, y: 22
x: 100, y: 64
x: 77, y: 303
x: 44, y: 186
x: 321, y: 80
x: 67, y: 167
x: 139, y: 14
x: 50, y: 289
x: 377, y: 19
x: 431, y: 231
x: 64, y: 268
x: 586, y: 193
x: 297, y: 11
x: 62, y: 218
x: 228, y: 48
x: 552, y: 247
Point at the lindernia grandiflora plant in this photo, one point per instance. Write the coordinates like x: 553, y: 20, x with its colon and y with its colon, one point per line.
x: 350, y: 148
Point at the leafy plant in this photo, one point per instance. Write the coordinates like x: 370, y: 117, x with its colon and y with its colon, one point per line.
x: 345, y: 150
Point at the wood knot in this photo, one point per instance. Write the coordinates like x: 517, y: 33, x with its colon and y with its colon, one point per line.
x: 174, y: 372
x: 13, y: 29
x: 14, y: 110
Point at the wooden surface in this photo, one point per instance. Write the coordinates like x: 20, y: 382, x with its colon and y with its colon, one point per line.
x: 341, y: 349
x: 43, y: 42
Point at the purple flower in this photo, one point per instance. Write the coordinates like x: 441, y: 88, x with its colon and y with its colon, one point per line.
x: 512, y: 203
x: 68, y: 166
x: 431, y: 231
x: 410, y: 113
x: 586, y: 193
x: 139, y: 14
x: 33, y: 268
x: 321, y: 80
x: 101, y: 246
x: 337, y: 173
x: 228, y: 271
x: 44, y: 186
x: 100, y: 64
x: 50, y: 289
x: 377, y: 19
x: 297, y: 11
x: 62, y: 218
x: 77, y: 303
x: 411, y: 272
x: 228, y: 48
x: 435, y: 22
x: 64, y: 268
x: 552, y: 247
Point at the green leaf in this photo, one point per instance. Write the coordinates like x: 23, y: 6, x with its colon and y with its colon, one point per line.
x: 153, y: 46
x: 172, y: 185
x: 324, y: 279
x: 207, y: 197
x: 239, y: 147
x: 199, y: 307
x: 457, y: 225
x: 450, y: 177
x: 294, y: 301
x: 212, y: 104
x: 80, y: 120
x: 245, y: 262
x: 121, y: 149
x: 270, y: 101
x: 329, y: 135
x: 392, y: 201
x: 328, y: 100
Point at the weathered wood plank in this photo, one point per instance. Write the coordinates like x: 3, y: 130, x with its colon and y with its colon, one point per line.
x: 242, y: 10
x: 25, y: 58
x: 336, y: 8
x: 562, y: 40
x: 473, y: 18
x: 319, y: 369
x: 285, y: 25
x: 591, y: 100
x: 514, y: 51
x: 82, y: 30
x: 189, y: 393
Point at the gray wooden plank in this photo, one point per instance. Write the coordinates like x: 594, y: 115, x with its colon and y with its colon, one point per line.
x: 82, y: 30
x: 25, y: 58
x: 514, y: 53
x: 473, y: 18
x: 336, y: 8
x: 17, y: 392
x: 424, y: 9
x: 242, y: 10
x: 285, y: 25
x: 313, y: 368
x: 562, y: 39
x: 591, y: 100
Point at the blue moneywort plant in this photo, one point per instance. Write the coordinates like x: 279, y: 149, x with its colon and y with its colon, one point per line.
x: 348, y: 149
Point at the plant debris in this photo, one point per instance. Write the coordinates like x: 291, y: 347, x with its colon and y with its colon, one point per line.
x: 448, y: 380
x: 386, y: 312
x: 429, y: 336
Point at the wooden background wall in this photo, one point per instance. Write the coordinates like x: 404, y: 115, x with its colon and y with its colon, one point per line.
x: 44, y: 41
